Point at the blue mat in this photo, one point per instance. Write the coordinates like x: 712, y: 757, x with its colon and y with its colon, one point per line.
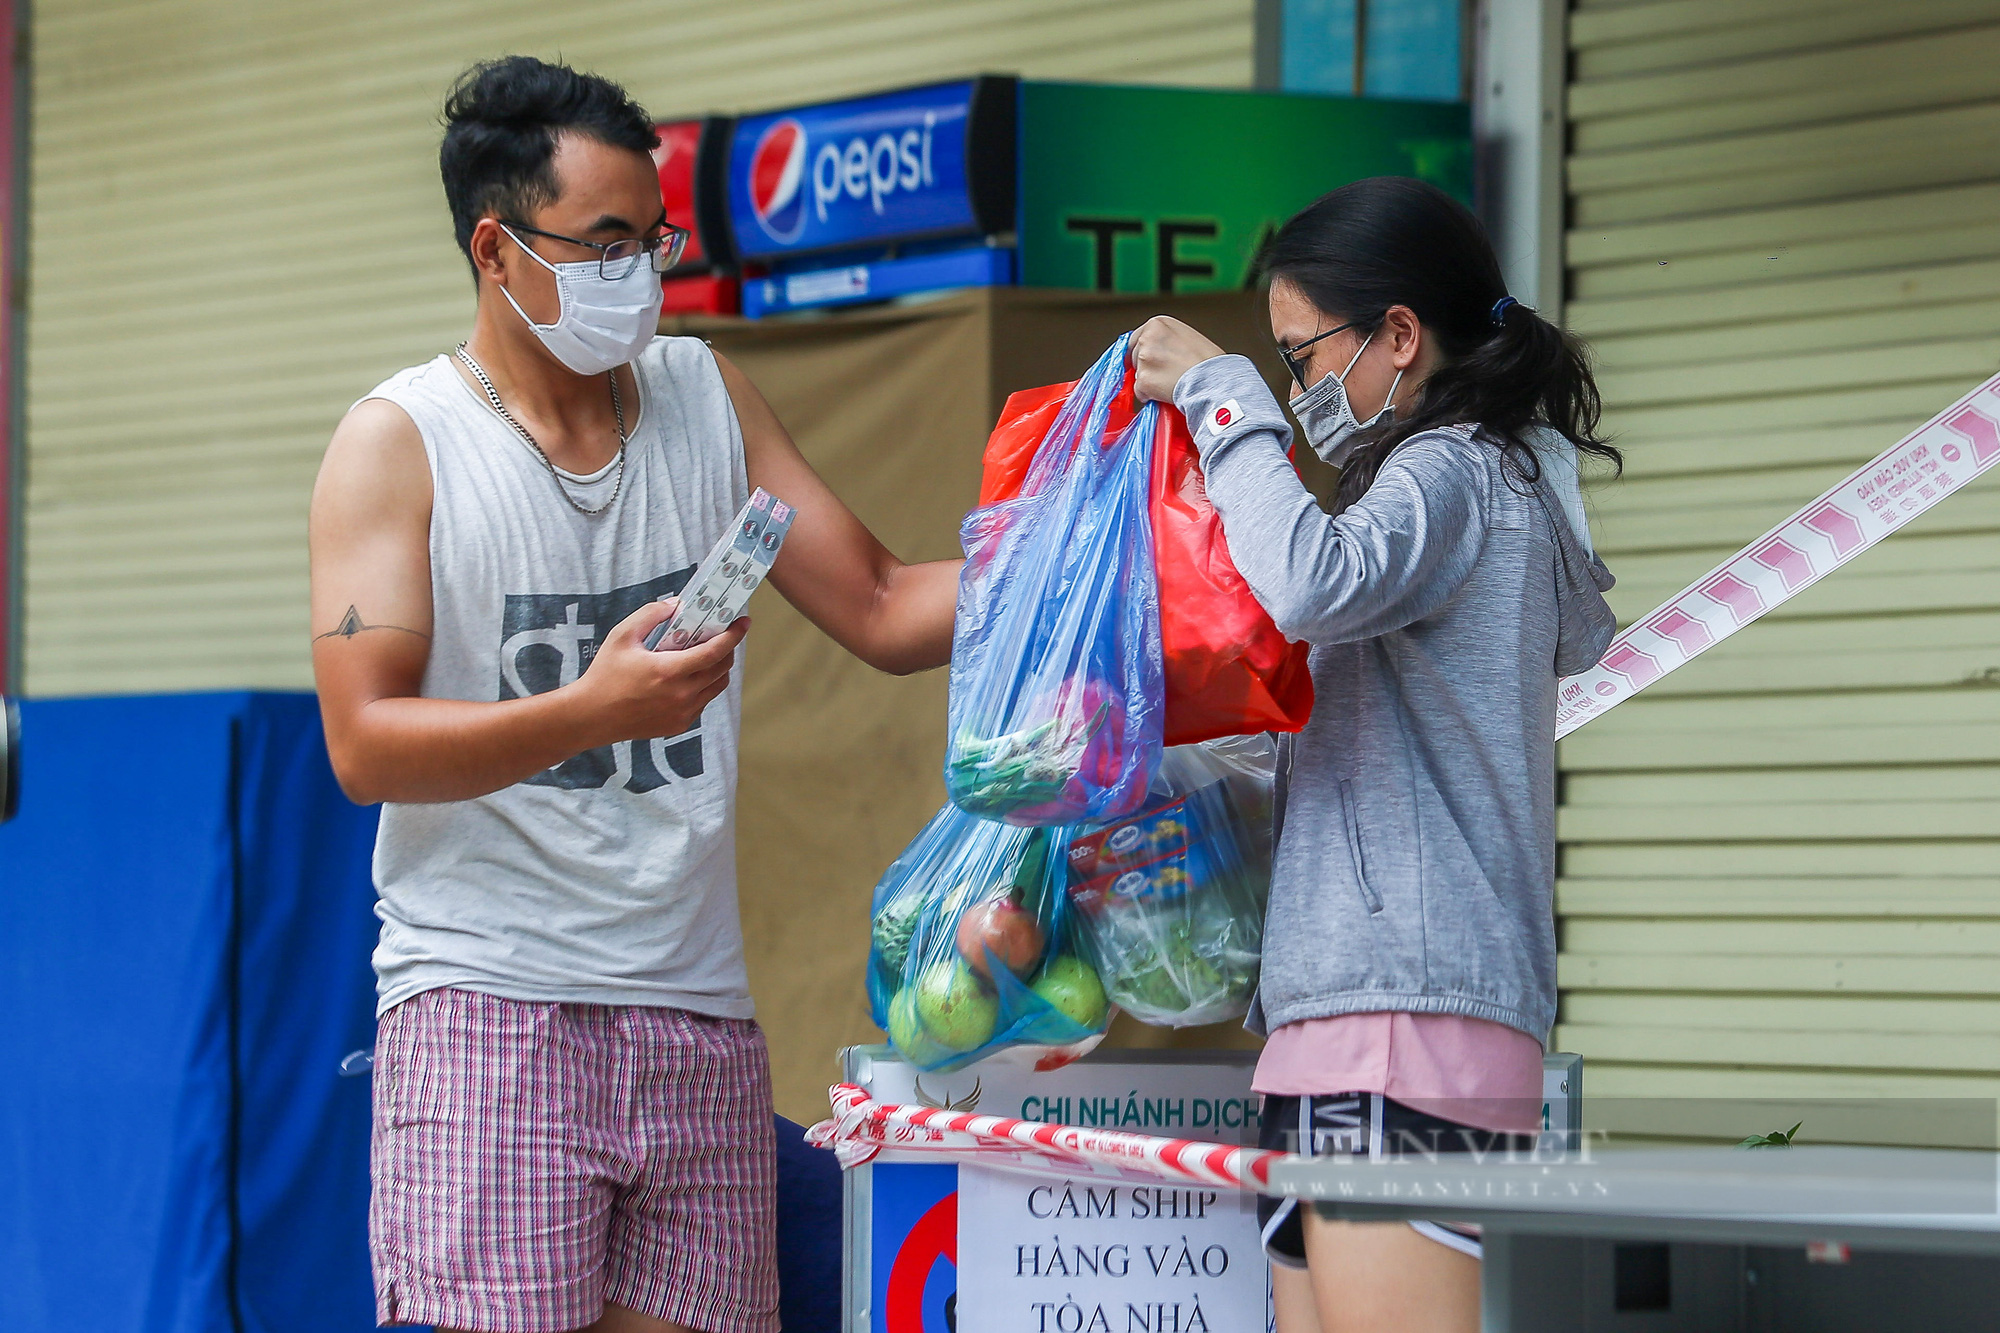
x: 186, y: 917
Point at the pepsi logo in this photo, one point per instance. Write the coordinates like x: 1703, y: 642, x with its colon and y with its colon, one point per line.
x: 777, y: 173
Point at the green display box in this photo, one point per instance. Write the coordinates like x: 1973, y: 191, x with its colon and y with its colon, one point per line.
x: 1134, y: 189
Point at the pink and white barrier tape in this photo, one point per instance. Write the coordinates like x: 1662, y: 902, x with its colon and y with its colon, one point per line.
x: 1935, y: 460
x: 861, y: 1127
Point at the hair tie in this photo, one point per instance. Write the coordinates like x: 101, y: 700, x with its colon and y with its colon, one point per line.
x: 1500, y: 308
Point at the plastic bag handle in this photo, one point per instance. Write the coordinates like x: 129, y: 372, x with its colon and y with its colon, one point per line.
x: 1083, y: 416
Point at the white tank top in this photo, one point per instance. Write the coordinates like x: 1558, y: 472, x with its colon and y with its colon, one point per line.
x: 610, y: 878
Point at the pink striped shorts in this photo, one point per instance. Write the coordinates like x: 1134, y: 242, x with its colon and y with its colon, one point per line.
x: 534, y: 1162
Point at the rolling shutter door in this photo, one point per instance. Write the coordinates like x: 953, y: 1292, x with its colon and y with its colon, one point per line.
x: 237, y: 229
x: 1782, y: 864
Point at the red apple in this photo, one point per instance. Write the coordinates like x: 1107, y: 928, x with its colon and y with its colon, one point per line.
x: 1000, y: 926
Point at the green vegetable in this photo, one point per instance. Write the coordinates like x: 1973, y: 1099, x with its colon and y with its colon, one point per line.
x: 1781, y: 1139
x: 1030, y: 878
x: 1149, y: 987
x: 894, y: 927
x: 1166, y: 977
x: 1021, y: 768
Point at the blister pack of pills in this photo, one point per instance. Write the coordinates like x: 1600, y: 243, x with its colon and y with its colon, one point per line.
x: 723, y: 582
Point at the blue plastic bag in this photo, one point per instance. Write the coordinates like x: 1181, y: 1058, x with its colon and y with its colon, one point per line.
x: 1057, y: 686
x: 972, y: 947
x: 1169, y: 903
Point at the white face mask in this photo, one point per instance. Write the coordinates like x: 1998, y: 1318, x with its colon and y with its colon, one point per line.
x: 599, y: 324
x: 1327, y: 416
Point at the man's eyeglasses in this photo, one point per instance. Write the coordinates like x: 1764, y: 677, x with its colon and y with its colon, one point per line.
x: 617, y: 259
x: 1297, y: 364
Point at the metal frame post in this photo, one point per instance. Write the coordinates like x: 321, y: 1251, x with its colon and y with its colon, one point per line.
x: 1519, y: 124
x: 14, y: 106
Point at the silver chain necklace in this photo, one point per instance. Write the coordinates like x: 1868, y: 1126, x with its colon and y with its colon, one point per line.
x: 617, y: 410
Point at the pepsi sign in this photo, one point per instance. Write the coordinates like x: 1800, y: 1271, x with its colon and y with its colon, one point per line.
x: 915, y: 164
x: 777, y: 177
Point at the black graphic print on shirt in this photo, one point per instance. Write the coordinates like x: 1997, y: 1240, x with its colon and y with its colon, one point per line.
x: 548, y: 639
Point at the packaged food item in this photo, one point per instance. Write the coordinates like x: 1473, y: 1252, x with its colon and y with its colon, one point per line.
x: 1170, y: 901
x: 722, y: 583
x: 1056, y: 687
x: 971, y: 948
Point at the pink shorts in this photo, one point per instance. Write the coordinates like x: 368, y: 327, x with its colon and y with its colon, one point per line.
x: 534, y: 1162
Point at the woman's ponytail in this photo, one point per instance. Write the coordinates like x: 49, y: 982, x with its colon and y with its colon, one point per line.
x: 1390, y: 241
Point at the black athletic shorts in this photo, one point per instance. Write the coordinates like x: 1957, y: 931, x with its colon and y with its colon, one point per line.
x: 1362, y: 1124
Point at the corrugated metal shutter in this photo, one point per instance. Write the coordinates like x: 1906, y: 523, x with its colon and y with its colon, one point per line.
x: 1780, y: 865
x: 237, y: 229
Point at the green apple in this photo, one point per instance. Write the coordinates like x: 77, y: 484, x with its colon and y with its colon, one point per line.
x: 906, y: 1030
x: 955, y: 1009
x: 1073, y: 989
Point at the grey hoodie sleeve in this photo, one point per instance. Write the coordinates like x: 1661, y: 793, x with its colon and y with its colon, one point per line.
x: 1394, y: 557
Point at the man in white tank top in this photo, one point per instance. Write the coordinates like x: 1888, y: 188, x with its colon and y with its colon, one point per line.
x: 572, y: 1103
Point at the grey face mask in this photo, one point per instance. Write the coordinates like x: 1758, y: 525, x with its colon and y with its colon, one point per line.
x: 1328, y: 418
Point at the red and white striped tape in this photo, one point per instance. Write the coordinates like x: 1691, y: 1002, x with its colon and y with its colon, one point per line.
x: 1935, y: 460
x: 861, y: 1127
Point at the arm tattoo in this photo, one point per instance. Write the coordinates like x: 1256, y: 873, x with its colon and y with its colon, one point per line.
x: 352, y: 624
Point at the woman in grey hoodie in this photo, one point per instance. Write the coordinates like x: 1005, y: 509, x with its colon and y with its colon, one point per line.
x: 1409, y: 965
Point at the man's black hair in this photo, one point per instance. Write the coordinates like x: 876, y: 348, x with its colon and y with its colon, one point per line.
x: 501, y: 120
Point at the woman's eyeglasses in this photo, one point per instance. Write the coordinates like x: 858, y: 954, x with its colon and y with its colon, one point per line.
x: 1297, y: 364
x: 617, y: 259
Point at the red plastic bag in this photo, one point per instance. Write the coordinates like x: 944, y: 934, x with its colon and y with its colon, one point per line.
x: 1229, y: 671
